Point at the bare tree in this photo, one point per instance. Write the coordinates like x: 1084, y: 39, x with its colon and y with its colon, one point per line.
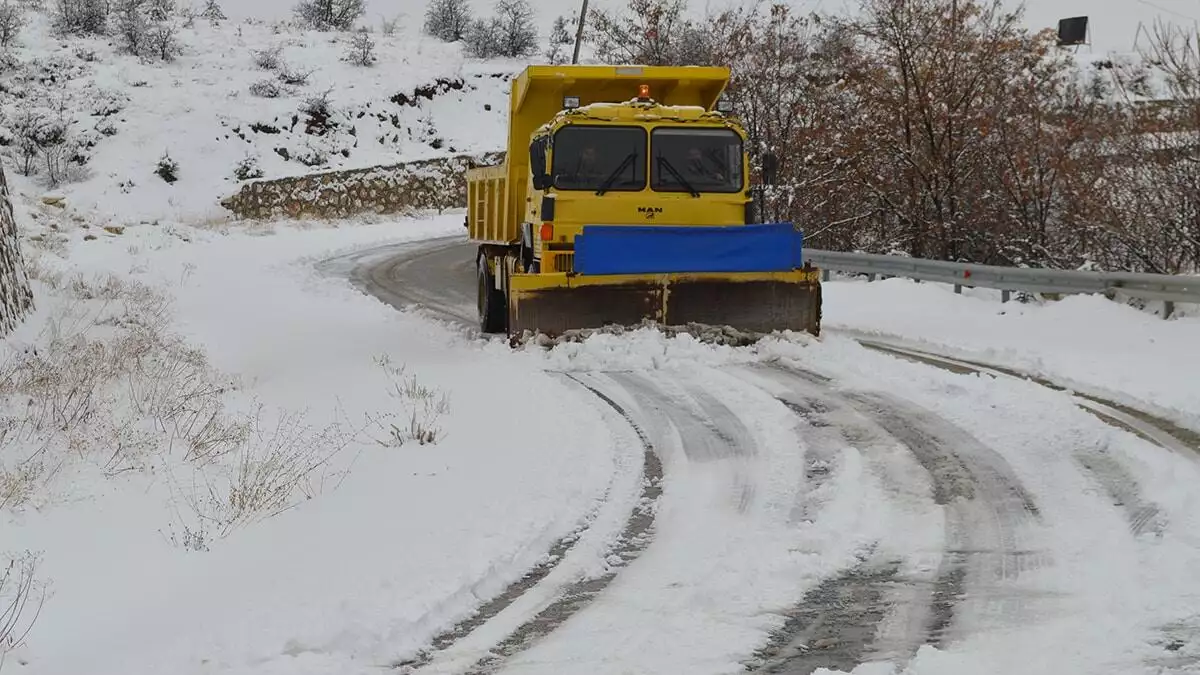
x: 483, y: 38
x: 16, y: 297
x: 160, y: 10
x: 560, y: 40
x: 213, y: 12
x: 328, y: 15
x: 518, y: 37
x: 938, y: 67
x: 12, y: 19
x: 270, y: 58
x: 80, y: 17
x: 1150, y: 202
x: 448, y: 20
x: 1045, y: 145
x: 650, y: 32
x: 132, y: 25
x: 790, y: 90
x: 162, y: 39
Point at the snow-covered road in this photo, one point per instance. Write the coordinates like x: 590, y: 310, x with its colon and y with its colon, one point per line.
x: 865, y: 509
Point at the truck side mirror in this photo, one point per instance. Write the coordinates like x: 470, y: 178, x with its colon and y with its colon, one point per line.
x: 537, y: 165
x: 769, y: 168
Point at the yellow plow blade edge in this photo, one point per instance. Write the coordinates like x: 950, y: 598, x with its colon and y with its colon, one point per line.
x: 752, y: 302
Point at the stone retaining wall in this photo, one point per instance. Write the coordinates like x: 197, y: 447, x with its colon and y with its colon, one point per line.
x: 437, y: 184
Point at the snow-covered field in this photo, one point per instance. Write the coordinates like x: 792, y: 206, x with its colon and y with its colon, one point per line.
x: 394, y: 537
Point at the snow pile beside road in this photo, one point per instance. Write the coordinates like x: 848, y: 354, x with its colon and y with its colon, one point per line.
x: 1098, y: 345
x: 396, y: 541
x: 656, y: 348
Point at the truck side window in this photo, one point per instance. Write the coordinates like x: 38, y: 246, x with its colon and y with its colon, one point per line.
x: 585, y: 157
x: 709, y: 160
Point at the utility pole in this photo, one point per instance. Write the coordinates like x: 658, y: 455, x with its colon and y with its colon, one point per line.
x: 579, y: 31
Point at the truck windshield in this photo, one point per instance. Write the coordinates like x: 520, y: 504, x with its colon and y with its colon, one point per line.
x: 708, y: 160
x: 592, y: 157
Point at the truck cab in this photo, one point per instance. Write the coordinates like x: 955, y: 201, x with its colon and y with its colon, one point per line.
x: 632, y: 163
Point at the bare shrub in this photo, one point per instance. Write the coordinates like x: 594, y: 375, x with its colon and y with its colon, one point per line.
x: 318, y: 111
x: 132, y: 25
x: 212, y: 12
x: 270, y: 58
x: 20, y: 592
x: 294, y: 77
x: 45, y: 138
x: 422, y: 408
x: 274, y: 468
x: 71, y: 384
x: 266, y: 89
x: 162, y: 40
x: 483, y: 38
x: 362, y: 50
x: 82, y: 17
x: 389, y: 26
x: 160, y: 10
x: 167, y: 168
x: 448, y: 20
x: 248, y: 169
x: 328, y: 15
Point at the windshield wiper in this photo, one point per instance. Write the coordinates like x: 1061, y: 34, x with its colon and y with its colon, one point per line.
x: 682, y: 181
x: 612, y: 177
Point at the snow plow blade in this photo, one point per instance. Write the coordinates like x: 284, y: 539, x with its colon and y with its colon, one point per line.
x: 751, y: 302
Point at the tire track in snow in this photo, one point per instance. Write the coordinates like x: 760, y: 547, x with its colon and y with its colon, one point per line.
x: 634, y: 538
x: 870, y: 611
x: 1118, y: 484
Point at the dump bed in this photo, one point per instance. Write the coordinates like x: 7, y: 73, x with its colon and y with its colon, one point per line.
x: 496, y: 195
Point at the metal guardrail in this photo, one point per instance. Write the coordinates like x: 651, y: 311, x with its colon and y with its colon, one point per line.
x: 1167, y: 288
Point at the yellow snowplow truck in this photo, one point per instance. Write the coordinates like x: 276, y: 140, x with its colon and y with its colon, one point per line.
x: 624, y: 196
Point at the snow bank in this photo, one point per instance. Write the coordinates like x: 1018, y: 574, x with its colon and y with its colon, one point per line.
x: 396, y: 543
x: 1085, y: 341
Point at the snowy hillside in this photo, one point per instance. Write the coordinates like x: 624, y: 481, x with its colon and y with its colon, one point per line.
x: 216, y: 107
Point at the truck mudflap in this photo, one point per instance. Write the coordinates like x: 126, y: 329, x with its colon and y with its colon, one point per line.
x: 752, y: 302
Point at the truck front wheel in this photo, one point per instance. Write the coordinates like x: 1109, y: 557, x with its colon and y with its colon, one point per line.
x: 493, y: 314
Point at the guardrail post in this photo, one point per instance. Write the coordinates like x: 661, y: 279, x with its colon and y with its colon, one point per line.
x: 1168, y: 308
x: 1004, y: 294
x: 825, y: 274
x: 958, y: 288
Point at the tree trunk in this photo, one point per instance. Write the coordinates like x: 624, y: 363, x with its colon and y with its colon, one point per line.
x: 16, y: 297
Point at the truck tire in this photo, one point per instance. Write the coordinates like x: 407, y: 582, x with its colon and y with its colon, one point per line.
x: 493, y: 313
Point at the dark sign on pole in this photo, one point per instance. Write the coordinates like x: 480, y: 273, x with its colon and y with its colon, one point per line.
x: 1072, y: 31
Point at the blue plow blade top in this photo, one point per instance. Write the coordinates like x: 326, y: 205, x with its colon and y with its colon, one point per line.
x: 660, y: 249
